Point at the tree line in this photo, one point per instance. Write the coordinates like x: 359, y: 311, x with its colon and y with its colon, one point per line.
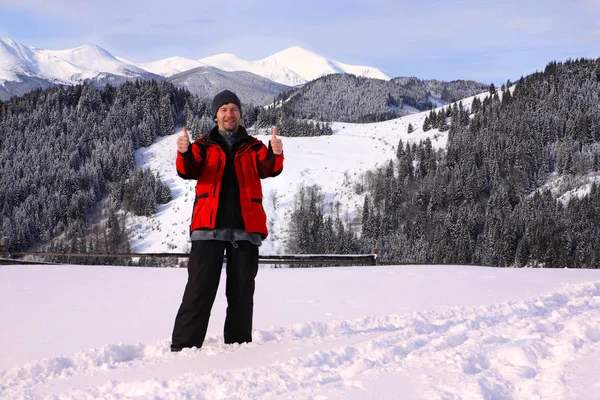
x: 65, y: 149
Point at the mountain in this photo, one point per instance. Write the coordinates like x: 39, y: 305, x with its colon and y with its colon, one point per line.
x: 350, y: 98
x: 24, y: 68
x: 17, y: 60
x: 311, y: 66
x: 447, y: 92
x: 230, y: 62
x: 21, y: 85
x: 208, y: 81
x: 292, y: 66
x: 95, y: 60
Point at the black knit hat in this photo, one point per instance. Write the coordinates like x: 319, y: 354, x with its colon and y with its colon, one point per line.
x: 224, y: 97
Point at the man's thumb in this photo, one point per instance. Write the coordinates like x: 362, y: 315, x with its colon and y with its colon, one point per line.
x: 184, y: 131
x: 274, y: 133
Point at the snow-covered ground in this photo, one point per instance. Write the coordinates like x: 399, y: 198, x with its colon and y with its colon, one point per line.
x: 397, y: 332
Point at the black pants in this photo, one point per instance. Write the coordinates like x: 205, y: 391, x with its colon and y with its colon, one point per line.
x: 204, y: 272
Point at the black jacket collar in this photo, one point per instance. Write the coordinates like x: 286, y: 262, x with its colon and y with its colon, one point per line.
x: 242, y: 137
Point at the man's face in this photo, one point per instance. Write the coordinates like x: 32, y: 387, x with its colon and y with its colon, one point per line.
x: 228, y: 117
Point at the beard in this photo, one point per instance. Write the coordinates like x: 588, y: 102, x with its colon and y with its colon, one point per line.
x: 230, y: 125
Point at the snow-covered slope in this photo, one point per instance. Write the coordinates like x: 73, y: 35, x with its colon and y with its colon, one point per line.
x: 18, y: 60
x: 333, y: 162
x: 95, y: 60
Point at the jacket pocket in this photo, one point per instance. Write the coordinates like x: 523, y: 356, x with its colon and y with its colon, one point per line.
x: 198, y: 217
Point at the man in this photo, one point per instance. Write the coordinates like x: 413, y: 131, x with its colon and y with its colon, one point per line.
x: 228, y: 217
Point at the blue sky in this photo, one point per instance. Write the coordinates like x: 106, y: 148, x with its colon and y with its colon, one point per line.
x: 488, y: 41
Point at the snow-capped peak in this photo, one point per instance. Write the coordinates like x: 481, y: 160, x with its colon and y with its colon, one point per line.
x: 295, y: 55
x: 310, y: 65
x: 69, y: 66
x: 94, y: 58
x: 15, y: 59
x: 86, y: 55
x: 225, y: 61
x: 171, y: 66
x: 231, y: 62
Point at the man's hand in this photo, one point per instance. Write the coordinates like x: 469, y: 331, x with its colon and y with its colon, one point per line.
x: 183, y: 141
x: 276, y: 143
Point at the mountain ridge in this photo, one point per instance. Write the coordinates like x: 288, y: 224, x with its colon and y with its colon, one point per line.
x: 19, y: 63
x: 207, y: 81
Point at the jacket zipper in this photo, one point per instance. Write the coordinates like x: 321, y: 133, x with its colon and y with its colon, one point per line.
x: 215, y: 191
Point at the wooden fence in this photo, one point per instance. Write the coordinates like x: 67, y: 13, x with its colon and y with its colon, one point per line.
x: 281, y: 259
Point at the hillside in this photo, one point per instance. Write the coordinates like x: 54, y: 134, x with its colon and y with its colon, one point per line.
x: 350, y: 98
x: 333, y: 162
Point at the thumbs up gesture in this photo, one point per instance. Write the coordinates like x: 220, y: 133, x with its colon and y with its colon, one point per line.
x: 183, y: 141
x: 276, y: 143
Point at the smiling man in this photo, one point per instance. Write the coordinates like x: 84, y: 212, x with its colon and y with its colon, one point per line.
x: 228, y: 218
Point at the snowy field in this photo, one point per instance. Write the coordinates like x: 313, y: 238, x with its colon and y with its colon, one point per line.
x: 398, y: 332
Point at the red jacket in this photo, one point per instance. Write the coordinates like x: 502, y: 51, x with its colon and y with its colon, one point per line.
x: 207, y: 162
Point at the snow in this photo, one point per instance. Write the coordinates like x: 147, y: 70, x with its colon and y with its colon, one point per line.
x: 386, y: 332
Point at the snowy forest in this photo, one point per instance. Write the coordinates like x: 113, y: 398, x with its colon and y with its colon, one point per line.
x: 496, y: 195
x: 65, y: 149
x: 493, y: 197
x: 350, y: 98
